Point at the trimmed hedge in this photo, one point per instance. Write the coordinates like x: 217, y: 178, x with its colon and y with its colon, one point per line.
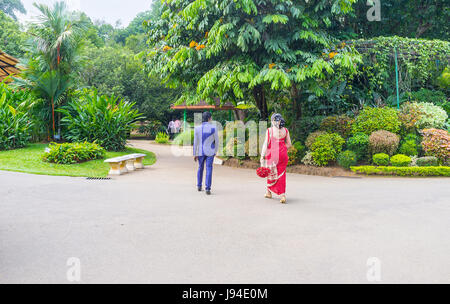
x: 403, y: 171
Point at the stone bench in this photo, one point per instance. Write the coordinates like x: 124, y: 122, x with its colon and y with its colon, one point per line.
x: 127, y: 163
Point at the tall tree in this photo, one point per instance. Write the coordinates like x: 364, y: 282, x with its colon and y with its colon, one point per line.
x: 54, y: 53
x: 241, y: 50
x: 11, y: 7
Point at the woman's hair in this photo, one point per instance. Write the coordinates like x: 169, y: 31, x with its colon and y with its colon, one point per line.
x: 206, y: 116
x: 278, y: 121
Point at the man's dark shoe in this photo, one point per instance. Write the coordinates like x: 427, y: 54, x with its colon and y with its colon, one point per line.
x: 208, y: 192
x: 200, y: 189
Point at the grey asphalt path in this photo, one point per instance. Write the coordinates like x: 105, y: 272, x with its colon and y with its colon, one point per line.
x: 153, y: 226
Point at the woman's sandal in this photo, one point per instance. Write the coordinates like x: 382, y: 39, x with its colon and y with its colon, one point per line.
x: 268, y: 195
x: 283, y: 200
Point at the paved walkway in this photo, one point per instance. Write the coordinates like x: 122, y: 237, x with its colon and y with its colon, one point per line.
x: 154, y: 227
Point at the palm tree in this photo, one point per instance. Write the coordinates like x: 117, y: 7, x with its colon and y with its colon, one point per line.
x: 54, y: 53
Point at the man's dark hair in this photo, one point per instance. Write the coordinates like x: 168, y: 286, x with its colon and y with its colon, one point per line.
x: 206, y: 116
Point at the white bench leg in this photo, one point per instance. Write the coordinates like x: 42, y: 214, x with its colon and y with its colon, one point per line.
x: 115, y: 169
x: 123, y: 167
x: 138, y: 163
x: 130, y: 165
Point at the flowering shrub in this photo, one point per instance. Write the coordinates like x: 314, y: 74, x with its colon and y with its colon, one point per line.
x: 410, y: 114
x: 292, y: 154
x: 383, y: 142
x: 341, y: 125
x: 309, y: 160
x: 374, y: 119
x: 359, y: 143
x: 432, y: 117
x: 326, y: 148
x: 347, y: 159
x: 381, y: 159
x: 312, y: 138
x: 437, y: 143
x: 400, y: 160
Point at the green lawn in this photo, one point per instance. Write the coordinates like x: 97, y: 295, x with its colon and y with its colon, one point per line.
x: 29, y: 160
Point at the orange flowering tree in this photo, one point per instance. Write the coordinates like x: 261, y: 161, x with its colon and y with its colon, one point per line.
x: 249, y: 51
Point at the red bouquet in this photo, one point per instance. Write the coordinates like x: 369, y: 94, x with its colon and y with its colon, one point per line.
x: 263, y: 172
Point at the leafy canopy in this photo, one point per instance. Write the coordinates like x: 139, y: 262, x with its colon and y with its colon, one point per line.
x: 237, y: 49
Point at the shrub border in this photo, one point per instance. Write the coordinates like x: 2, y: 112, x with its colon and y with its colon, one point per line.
x: 403, y: 171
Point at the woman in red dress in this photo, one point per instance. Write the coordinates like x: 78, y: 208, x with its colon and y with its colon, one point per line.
x: 274, y: 155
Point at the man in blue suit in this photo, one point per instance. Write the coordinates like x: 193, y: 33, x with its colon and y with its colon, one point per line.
x: 206, y: 144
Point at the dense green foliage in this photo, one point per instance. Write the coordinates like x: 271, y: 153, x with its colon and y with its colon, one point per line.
x: 11, y: 36
x: 341, y: 124
x: 375, y: 119
x: 359, y: 143
x: 106, y: 120
x: 347, y: 159
x: 73, y: 153
x: 15, y: 119
x: 381, y: 159
x: 403, y: 171
x: 326, y: 148
x: 242, y: 49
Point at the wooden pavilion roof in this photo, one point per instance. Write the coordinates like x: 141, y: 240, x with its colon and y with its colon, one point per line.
x: 7, y: 65
x: 203, y: 105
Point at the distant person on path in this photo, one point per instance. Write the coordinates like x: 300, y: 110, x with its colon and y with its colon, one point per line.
x: 177, y: 126
x: 274, y: 156
x: 171, y: 128
x: 206, y: 143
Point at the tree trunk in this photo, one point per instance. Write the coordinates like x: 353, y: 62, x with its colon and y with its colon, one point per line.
x: 240, y: 114
x: 261, y: 103
x: 296, y: 104
x: 53, y: 117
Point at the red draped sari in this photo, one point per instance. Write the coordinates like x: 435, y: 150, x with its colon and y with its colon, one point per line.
x: 277, y: 160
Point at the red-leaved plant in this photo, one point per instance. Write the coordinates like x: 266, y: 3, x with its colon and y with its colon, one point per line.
x: 437, y: 143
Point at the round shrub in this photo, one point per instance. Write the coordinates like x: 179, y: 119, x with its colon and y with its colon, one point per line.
x: 409, y: 148
x: 347, y: 159
x: 234, y: 148
x: 437, y: 143
x: 383, y: 142
x: 104, y: 119
x: 400, y: 160
x: 427, y: 161
x: 433, y: 116
x: 72, y: 153
x: 359, y: 143
x: 341, y: 125
x: 312, y: 138
x: 374, y: 119
x: 381, y: 159
x: 326, y: 148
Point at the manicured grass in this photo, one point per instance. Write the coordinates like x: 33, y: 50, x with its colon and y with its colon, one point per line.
x: 29, y: 160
